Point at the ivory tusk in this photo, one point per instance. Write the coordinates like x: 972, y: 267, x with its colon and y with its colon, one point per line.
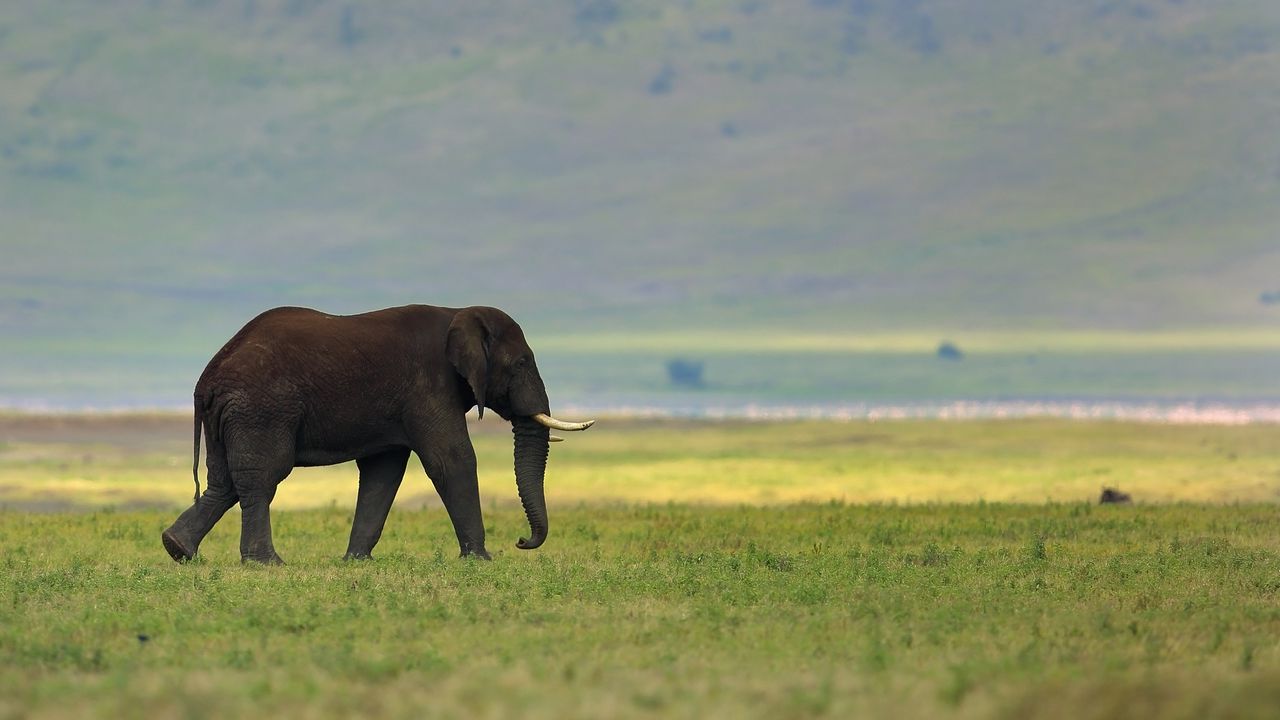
x: 554, y: 438
x: 554, y: 424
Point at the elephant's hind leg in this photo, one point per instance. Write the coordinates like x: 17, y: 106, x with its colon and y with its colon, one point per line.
x: 258, y: 462
x: 182, y: 538
x: 257, y: 489
x: 380, y: 477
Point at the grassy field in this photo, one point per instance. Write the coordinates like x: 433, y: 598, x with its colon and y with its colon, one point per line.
x: 667, y: 610
x: 692, y: 570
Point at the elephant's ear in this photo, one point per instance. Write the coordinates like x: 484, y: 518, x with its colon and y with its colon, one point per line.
x: 468, y: 349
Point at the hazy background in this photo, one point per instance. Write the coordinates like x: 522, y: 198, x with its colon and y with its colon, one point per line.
x: 806, y: 198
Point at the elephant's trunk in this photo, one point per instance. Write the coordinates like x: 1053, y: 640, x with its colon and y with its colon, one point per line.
x: 531, y: 446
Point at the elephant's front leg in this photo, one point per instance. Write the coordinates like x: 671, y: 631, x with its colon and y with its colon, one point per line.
x: 380, y: 477
x: 452, y: 470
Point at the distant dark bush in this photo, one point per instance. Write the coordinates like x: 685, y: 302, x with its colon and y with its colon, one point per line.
x: 685, y: 373
x: 596, y: 12
x: 1245, y: 41
x: 853, y: 39
x: 51, y: 170
x: 299, y: 8
x: 722, y: 35
x: 948, y: 350
x: 1111, y: 496
x: 728, y: 129
x: 922, y: 37
x: 914, y: 28
x: 348, y: 35
x: 861, y: 8
x: 1121, y: 8
x: 1270, y: 298
x: 663, y: 82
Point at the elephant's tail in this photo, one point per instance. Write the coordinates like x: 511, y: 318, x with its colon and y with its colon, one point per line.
x: 195, y: 460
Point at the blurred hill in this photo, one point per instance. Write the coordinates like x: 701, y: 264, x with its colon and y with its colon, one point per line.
x: 168, y: 169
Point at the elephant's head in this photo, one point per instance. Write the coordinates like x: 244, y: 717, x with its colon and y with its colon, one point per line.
x: 488, y: 349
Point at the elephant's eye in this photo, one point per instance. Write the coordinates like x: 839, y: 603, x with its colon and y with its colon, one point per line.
x: 523, y: 361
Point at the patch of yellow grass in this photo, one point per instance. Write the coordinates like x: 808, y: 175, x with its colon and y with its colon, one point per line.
x: 1026, y: 461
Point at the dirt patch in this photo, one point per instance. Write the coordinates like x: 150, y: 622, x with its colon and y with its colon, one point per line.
x: 127, y: 431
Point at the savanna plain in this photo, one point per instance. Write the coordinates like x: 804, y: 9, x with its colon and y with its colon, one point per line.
x: 694, y: 569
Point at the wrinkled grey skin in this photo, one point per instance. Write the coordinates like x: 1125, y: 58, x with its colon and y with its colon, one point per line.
x: 296, y: 387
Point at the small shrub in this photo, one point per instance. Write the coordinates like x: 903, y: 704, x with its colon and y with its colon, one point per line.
x: 948, y: 350
x: 596, y: 12
x: 685, y: 373
x: 663, y: 82
x: 722, y: 35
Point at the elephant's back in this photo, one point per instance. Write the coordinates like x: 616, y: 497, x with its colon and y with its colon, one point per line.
x: 294, y: 349
x: 269, y: 333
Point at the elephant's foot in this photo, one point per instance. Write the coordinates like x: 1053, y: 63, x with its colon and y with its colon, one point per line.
x: 264, y: 559
x: 357, y: 556
x: 478, y: 554
x: 179, y: 550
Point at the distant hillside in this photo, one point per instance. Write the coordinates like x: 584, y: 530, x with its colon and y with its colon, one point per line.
x: 169, y: 168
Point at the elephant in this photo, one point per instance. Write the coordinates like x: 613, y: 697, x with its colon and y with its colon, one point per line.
x: 297, y: 387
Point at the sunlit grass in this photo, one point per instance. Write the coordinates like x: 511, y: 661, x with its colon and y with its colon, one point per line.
x: 732, y: 463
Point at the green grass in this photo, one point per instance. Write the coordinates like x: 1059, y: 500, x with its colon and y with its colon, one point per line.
x: 693, y: 570
x: 818, y: 610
